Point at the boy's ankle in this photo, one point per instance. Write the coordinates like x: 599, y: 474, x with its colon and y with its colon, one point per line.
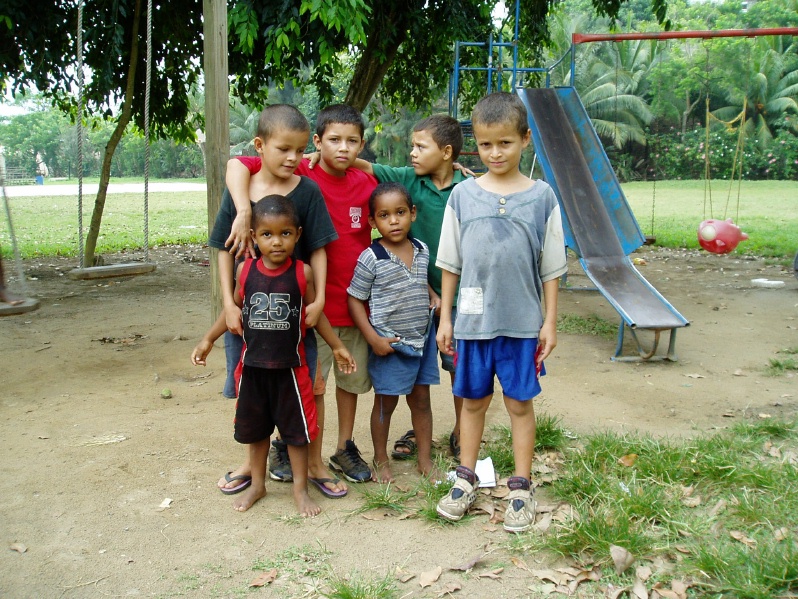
x: 518, y: 483
x: 467, y: 474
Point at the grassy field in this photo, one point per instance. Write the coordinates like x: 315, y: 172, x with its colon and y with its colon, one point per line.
x: 768, y: 212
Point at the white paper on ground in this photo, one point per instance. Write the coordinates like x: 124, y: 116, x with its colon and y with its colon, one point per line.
x: 485, y: 472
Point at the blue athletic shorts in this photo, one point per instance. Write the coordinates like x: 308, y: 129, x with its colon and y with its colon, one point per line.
x: 509, y: 358
x: 398, y: 373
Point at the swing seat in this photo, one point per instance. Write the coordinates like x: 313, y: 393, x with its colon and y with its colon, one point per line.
x: 109, y: 271
x: 29, y: 304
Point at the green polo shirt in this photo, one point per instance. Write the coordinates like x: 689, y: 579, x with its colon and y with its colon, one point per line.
x: 430, y: 205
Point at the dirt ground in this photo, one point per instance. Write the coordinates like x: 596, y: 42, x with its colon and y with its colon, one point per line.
x: 93, y: 454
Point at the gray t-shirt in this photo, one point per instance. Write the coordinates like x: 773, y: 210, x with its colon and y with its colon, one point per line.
x: 503, y: 247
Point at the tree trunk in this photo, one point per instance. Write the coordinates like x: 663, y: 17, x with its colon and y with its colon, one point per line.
x: 387, y: 34
x: 688, y: 109
x: 113, y: 142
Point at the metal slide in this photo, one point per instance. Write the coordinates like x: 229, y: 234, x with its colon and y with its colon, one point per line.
x: 599, y: 225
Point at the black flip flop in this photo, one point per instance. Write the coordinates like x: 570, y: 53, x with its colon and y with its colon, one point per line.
x: 408, y: 442
x: 245, y: 479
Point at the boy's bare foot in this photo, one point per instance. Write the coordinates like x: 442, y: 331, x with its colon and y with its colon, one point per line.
x: 304, y: 504
x: 10, y: 299
x: 230, y: 481
x: 381, y: 472
x: 428, y: 469
x: 249, y: 498
x: 333, y: 483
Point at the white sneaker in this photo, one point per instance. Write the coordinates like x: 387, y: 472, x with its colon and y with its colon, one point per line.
x: 520, y: 513
x: 458, y: 501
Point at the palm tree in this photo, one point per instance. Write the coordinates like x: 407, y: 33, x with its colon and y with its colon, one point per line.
x: 770, y: 91
x: 613, y: 91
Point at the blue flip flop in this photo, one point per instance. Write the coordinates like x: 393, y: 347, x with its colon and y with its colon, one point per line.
x: 245, y: 479
x: 326, y: 491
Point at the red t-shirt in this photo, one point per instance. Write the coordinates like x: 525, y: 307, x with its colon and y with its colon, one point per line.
x: 347, y: 200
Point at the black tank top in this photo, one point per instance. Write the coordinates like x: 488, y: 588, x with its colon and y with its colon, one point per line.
x: 273, y: 314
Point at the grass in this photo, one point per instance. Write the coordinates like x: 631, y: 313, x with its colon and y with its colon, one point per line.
x: 778, y: 366
x: 47, y: 225
x: 590, y: 325
x: 768, y: 213
x: 720, y: 510
x: 384, y: 497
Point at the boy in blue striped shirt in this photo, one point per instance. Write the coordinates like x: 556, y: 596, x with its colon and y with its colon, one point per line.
x: 392, y: 276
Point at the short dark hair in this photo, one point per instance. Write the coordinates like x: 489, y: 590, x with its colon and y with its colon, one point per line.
x: 339, y: 113
x: 281, y: 116
x: 274, y: 205
x: 445, y: 131
x: 501, y: 107
x: 388, y: 187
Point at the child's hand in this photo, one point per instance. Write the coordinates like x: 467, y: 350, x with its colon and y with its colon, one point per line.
x: 444, y: 338
x: 313, y: 313
x: 547, y: 340
x: 232, y: 317
x: 313, y: 158
x: 435, y: 302
x: 344, y: 360
x: 240, y: 241
x: 382, y: 345
x: 201, y: 352
x: 466, y: 171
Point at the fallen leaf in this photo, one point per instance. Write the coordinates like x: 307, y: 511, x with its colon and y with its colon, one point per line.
x: 374, y: 516
x: 740, y: 536
x: 692, y: 501
x: 469, y: 565
x: 485, y: 506
x: 551, y: 576
x: 264, y: 578
x: 781, y: 533
x: 406, y: 516
x: 694, y: 376
x: 728, y: 415
x: 544, y: 523
x: 680, y: 588
x: 613, y: 592
x: 643, y: 573
x: 639, y: 589
x: 490, y: 528
x: 450, y: 588
x: 719, y: 507
x: 494, y: 574
x: 403, y: 575
x: 18, y: 547
x: 628, y: 460
x: 682, y: 549
x: 687, y: 491
x: 499, y: 492
x: 428, y: 578
x: 622, y: 558
x: 519, y: 563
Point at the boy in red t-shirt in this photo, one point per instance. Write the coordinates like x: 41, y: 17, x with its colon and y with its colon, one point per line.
x: 346, y: 190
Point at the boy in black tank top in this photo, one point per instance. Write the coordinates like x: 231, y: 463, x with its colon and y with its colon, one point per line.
x: 274, y: 388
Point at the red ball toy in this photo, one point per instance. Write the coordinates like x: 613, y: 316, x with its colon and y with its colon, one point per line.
x: 719, y: 236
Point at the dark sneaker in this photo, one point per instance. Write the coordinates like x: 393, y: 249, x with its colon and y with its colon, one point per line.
x: 348, y: 462
x: 279, y: 464
x: 461, y: 496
